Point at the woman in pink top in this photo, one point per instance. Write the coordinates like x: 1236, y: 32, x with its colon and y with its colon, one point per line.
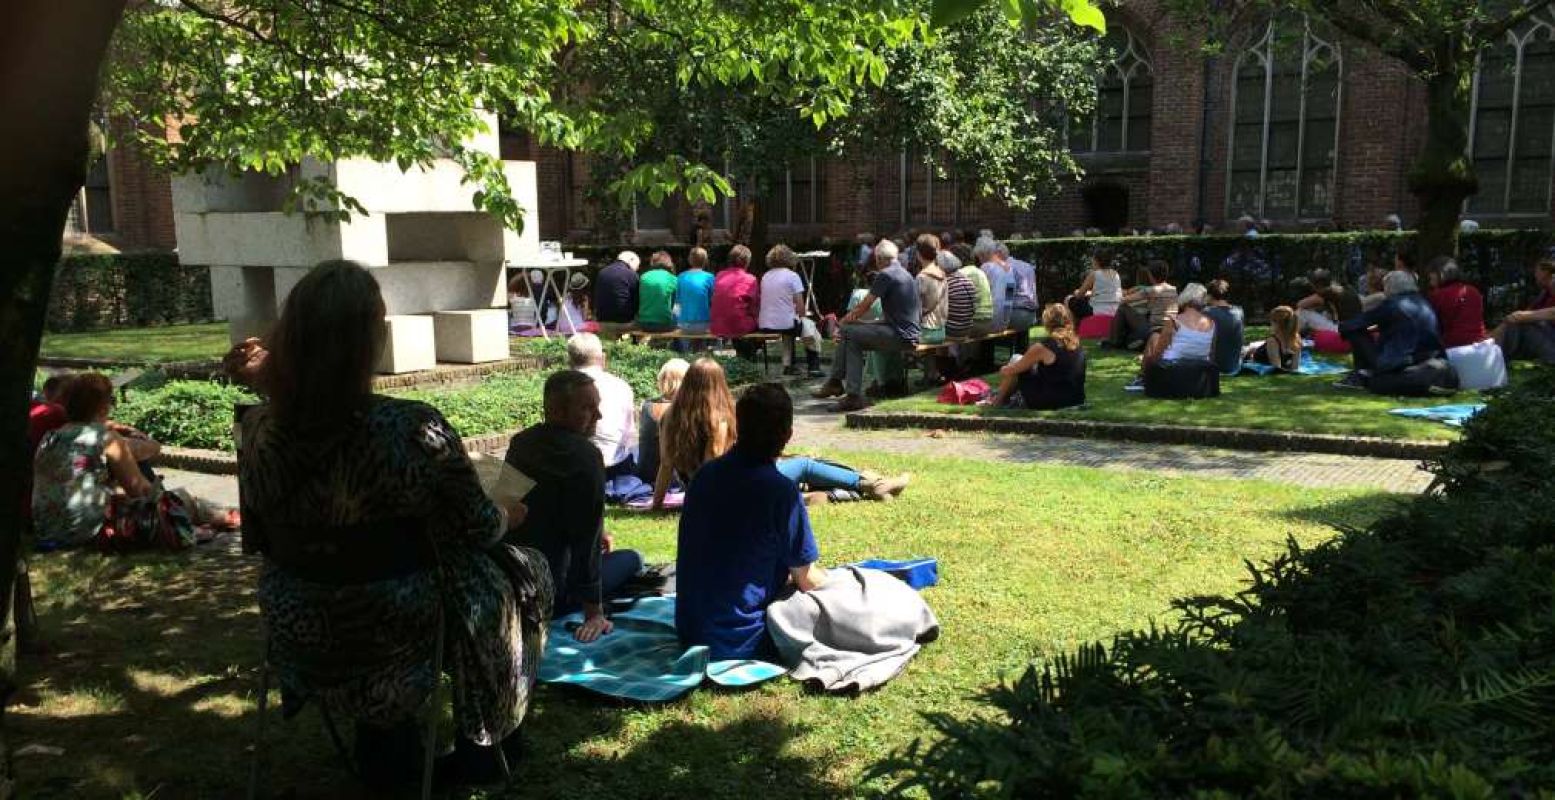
x: 736, y: 296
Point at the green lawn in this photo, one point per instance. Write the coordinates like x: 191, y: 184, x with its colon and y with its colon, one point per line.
x: 159, y: 345
x: 1305, y: 404
x: 149, y: 680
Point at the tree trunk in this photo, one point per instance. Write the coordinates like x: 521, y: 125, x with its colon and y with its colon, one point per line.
x: 51, y: 52
x: 1443, y: 177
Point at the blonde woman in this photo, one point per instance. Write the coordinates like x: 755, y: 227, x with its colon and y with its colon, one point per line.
x: 652, y: 412
x: 700, y: 426
x: 1282, y: 350
x: 1051, y: 374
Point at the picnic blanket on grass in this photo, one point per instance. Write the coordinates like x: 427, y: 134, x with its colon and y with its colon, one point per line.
x: 1308, y: 366
x: 642, y: 659
x: 1454, y: 415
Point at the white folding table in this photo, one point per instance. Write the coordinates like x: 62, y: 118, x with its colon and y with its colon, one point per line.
x: 807, y: 269
x: 558, y: 273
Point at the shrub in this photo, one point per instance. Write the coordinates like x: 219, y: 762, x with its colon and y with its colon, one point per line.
x: 499, y: 403
x: 1415, y: 658
x: 127, y: 289
x: 185, y: 413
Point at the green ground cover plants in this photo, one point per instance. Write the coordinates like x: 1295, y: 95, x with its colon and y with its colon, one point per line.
x: 1411, y: 657
x: 151, y: 676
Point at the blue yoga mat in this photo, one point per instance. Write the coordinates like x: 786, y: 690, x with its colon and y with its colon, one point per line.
x: 1308, y: 366
x: 1454, y: 415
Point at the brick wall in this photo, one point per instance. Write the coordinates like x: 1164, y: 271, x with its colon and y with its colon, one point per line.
x: 142, y: 198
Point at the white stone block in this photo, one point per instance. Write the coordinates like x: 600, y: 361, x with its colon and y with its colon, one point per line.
x: 472, y: 337
x: 407, y: 345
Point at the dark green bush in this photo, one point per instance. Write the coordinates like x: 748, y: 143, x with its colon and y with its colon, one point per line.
x: 1415, y: 658
x: 127, y: 289
x: 185, y: 413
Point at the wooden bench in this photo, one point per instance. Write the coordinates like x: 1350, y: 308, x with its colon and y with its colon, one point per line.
x: 923, y: 351
x: 760, y: 339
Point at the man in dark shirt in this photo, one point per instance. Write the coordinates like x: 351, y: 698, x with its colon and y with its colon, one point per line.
x: 744, y: 535
x: 897, y: 330
x: 567, y: 504
x: 615, y: 296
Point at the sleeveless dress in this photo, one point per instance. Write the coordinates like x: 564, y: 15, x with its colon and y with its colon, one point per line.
x: 71, y: 485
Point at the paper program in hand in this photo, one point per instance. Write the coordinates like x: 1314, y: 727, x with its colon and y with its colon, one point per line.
x: 501, y: 482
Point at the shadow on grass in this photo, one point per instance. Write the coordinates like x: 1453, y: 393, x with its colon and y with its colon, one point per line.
x: 148, y: 685
x: 1356, y: 511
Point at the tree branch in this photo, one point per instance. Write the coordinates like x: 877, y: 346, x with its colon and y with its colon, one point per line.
x: 1390, y: 40
x: 1488, y: 33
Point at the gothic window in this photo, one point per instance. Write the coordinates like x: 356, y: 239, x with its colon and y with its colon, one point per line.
x: 1124, y: 93
x: 1513, y: 129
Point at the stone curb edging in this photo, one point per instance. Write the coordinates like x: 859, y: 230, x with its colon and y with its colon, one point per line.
x: 217, y: 462
x: 1228, y: 438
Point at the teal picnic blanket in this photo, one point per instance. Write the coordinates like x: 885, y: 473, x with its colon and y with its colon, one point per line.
x: 642, y: 659
x: 1308, y: 366
x: 1454, y: 415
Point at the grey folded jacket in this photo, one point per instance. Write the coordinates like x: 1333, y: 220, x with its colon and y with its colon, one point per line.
x: 855, y: 632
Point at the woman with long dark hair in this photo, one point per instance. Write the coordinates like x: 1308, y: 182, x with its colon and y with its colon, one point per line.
x: 375, y: 532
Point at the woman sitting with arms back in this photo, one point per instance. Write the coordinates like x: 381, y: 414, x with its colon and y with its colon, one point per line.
x: 1051, y: 375
x: 374, y: 530
x: 700, y: 427
x: 1282, y: 350
x: 79, y: 466
x: 652, y: 412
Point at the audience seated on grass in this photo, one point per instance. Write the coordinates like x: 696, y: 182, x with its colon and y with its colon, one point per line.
x: 1282, y: 349
x: 736, y: 304
x: 1230, y: 327
x: 897, y: 292
x: 1050, y: 374
x: 1460, y: 309
x: 1371, y: 288
x: 615, y: 296
x: 375, y: 530
x: 656, y: 295
x: 1145, y: 308
x: 567, y: 504
x: 47, y: 412
x: 1328, y: 305
x: 1529, y: 334
x: 617, y: 427
x: 1100, y: 293
x: 701, y: 426
x: 694, y: 290
x: 652, y: 413
x: 1406, y: 355
x: 783, y: 310
x: 745, y: 536
x: 1179, y: 361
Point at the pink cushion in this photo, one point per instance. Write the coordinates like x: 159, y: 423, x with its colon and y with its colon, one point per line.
x: 1094, y: 327
x: 1329, y: 342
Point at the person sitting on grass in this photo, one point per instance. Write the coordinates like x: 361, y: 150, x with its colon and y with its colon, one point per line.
x: 899, y: 329
x: 1145, y: 309
x: 1530, y: 333
x: 1407, y: 333
x: 652, y: 412
x: 1328, y: 305
x: 694, y: 288
x: 376, y: 534
x: 1229, y: 327
x: 1459, y: 307
x: 617, y: 427
x: 783, y: 310
x: 1188, y: 335
x: 1051, y: 373
x: 700, y: 426
x: 744, y: 536
x: 1282, y: 350
x: 1371, y: 283
x: 567, y: 504
x: 1100, y: 293
x: 656, y: 295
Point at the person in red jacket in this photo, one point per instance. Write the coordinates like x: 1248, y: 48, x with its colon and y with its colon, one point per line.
x: 1460, y: 309
x: 47, y: 414
x: 736, y: 297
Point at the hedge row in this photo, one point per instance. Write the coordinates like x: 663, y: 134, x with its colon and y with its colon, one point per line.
x: 1260, y: 270
x: 127, y: 290
x: 1412, y: 659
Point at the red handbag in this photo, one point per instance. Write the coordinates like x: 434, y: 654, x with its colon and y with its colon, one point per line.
x: 964, y: 393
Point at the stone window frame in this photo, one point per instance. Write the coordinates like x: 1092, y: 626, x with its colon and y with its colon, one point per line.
x: 1129, y: 65
x: 1518, y: 40
x: 1312, y: 47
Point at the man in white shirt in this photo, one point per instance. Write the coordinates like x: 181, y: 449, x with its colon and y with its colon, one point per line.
x: 783, y: 310
x: 617, y: 427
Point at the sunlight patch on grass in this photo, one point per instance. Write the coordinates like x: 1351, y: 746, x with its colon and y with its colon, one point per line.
x: 80, y: 701
x: 169, y: 343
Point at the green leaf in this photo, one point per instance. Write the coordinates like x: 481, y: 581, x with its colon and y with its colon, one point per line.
x: 946, y: 12
x: 1086, y: 13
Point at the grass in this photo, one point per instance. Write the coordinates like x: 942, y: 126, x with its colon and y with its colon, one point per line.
x: 207, y: 342
x: 150, y: 679
x: 1298, y: 403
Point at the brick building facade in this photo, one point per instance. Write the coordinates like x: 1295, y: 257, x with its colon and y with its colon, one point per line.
x: 1289, y: 123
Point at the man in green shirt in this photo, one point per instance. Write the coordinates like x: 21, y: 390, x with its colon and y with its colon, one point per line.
x: 656, y: 295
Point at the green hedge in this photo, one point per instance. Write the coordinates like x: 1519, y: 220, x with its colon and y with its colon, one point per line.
x: 194, y: 414
x: 127, y: 289
x: 1498, y: 260
x: 1412, y: 659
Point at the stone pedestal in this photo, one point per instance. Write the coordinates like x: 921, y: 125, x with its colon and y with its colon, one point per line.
x: 407, y: 344
x: 471, y: 337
